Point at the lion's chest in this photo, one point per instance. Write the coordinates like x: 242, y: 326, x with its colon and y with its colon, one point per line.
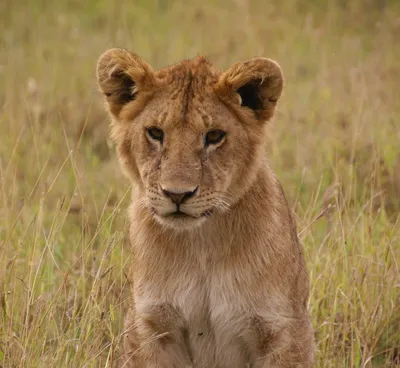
x: 219, y: 305
x: 219, y: 317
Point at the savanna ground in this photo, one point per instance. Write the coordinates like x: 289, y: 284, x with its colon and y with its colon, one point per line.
x: 334, y: 143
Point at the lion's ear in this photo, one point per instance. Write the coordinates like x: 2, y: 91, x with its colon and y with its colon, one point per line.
x: 258, y: 82
x: 121, y: 76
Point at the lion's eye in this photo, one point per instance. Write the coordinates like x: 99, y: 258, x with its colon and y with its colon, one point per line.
x: 214, y: 137
x: 156, y: 134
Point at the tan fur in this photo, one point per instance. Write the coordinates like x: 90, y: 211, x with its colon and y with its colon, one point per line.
x: 225, y: 285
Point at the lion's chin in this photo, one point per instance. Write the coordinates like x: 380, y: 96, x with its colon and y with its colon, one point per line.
x: 180, y: 222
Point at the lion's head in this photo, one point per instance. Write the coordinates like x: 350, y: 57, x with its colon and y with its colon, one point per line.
x: 190, y: 137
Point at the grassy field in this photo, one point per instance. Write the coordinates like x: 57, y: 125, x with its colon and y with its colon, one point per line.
x: 335, y: 144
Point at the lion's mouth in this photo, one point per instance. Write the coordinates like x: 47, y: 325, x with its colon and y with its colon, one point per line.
x: 180, y: 220
x: 178, y: 214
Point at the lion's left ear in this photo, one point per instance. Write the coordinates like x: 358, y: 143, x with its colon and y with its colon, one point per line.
x: 121, y: 76
x: 258, y: 82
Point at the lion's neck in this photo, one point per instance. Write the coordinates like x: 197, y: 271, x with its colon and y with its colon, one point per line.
x: 259, y: 203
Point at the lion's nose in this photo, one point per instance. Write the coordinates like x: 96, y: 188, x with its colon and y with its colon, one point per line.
x: 178, y: 196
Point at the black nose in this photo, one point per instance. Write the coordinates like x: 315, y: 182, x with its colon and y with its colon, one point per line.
x: 179, y: 198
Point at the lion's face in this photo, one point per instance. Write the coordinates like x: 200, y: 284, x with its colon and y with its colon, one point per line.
x: 187, y: 163
x: 189, y: 137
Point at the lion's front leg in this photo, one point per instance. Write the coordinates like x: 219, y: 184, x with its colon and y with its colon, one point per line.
x: 292, y: 348
x: 155, y: 338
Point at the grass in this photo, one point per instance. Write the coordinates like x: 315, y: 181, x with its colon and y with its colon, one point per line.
x: 64, y: 253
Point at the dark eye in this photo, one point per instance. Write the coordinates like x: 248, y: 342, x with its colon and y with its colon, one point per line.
x: 214, y: 137
x: 156, y: 134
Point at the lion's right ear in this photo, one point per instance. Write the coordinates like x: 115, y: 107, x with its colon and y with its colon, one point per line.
x: 121, y: 76
x: 257, y: 82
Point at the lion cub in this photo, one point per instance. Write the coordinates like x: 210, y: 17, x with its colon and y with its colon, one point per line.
x: 219, y: 278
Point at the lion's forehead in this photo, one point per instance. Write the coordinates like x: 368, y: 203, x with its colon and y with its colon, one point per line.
x: 186, y: 94
x: 196, y: 75
x: 186, y: 102
x: 192, y: 114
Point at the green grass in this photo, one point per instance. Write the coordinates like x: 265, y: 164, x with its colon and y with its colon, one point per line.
x: 64, y: 253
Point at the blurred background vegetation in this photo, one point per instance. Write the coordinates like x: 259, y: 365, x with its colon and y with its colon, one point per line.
x: 334, y: 144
